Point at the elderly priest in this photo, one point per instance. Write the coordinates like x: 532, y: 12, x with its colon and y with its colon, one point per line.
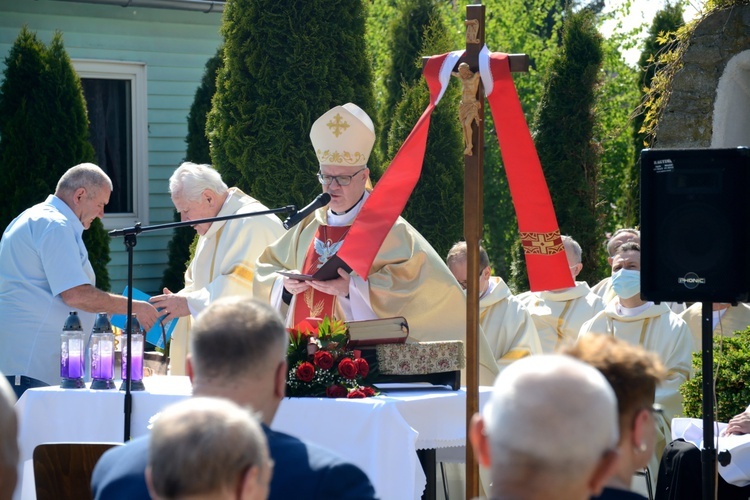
x: 406, y: 277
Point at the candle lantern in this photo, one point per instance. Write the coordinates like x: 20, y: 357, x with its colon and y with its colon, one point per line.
x: 102, y: 353
x: 136, y: 357
x: 72, y: 353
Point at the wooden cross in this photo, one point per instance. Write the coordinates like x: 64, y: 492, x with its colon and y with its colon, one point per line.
x: 473, y: 127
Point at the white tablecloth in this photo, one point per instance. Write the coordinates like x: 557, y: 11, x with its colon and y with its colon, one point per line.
x: 380, y: 434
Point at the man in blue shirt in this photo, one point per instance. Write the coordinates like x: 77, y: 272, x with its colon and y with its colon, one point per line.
x: 45, y: 273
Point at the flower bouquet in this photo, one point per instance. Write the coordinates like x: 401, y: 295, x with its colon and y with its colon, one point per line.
x: 321, y: 365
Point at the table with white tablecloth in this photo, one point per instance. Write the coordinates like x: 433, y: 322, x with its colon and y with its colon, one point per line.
x: 381, y: 434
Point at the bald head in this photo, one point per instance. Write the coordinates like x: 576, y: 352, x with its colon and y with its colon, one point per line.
x: 549, y: 422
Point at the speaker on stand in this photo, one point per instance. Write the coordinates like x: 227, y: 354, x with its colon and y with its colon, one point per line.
x: 695, y: 246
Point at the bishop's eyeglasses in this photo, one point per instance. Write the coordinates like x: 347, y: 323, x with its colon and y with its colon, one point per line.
x: 341, y: 180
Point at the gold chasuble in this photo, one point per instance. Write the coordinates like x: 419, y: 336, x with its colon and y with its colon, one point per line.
x: 407, y: 278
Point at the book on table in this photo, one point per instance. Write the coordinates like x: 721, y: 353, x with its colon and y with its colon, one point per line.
x: 371, y: 332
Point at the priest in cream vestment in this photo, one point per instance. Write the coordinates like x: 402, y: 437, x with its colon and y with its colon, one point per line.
x: 507, y: 325
x: 224, y: 261
x: 654, y: 327
x: 559, y: 314
x: 727, y: 319
x: 407, y: 277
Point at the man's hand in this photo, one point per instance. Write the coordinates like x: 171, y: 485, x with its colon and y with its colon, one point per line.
x: 739, y: 424
x: 171, y: 304
x: 338, y: 287
x: 296, y: 286
x: 147, y: 314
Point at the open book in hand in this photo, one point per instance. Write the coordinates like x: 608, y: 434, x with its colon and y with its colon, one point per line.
x: 372, y: 332
x: 328, y: 271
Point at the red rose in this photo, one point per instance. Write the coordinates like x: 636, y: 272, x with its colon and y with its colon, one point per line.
x: 347, y: 368
x: 363, y: 367
x: 369, y: 391
x: 323, y: 360
x: 355, y: 394
x: 336, y: 391
x: 305, y: 372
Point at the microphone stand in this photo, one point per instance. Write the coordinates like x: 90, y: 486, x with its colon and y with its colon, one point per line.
x: 130, y: 239
x: 708, y: 453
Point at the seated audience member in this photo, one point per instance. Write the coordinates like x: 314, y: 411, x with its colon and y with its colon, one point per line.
x: 727, y: 319
x: 634, y: 374
x: 559, y: 314
x: 8, y: 440
x: 548, y: 431
x: 224, y: 260
x: 507, y: 325
x: 208, y: 448
x: 654, y: 327
x: 238, y: 352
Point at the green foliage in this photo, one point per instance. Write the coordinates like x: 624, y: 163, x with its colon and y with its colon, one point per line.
x: 182, y: 245
x: 667, y: 20
x: 732, y: 390
x: 435, y: 206
x: 570, y: 160
x: 43, y: 132
x: 404, y: 66
x: 285, y: 64
x: 198, y: 147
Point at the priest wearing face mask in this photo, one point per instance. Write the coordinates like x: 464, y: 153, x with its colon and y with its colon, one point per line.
x: 654, y: 327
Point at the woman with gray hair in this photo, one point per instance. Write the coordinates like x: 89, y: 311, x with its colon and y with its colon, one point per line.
x: 225, y: 255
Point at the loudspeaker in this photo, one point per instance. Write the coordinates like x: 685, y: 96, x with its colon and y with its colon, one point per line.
x: 695, y: 225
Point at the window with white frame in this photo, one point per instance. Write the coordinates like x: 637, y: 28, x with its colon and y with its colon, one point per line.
x: 116, y: 99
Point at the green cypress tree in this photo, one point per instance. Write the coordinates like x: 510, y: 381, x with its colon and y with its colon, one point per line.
x: 284, y: 66
x: 405, y: 43
x: 564, y: 127
x: 43, y: 132
x: 667, y: 20
x: 435, y: 208
x: 182, y: 244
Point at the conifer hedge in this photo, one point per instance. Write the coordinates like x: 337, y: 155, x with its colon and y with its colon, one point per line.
x: 564, y: 127
x: 285, y: 64
x: 43, y: 132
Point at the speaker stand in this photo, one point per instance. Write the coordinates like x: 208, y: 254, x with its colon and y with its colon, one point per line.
x: 708, y: 453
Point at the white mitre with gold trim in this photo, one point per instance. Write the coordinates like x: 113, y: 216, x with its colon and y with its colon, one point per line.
x: 343, y: 136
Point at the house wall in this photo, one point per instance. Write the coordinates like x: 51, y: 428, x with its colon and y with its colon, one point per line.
x: 174, y: 45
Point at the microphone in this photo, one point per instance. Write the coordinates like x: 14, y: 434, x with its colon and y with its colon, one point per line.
x: 320, y: 201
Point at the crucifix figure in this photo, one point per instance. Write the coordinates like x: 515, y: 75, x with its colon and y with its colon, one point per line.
x: 468, y: 111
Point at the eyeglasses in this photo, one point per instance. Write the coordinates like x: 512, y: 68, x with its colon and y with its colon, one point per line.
x: 341, y: 180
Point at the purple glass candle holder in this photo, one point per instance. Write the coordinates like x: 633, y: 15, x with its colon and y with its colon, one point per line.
x: 72, y: 353
x: 136, y: 356
x: 102, y: 354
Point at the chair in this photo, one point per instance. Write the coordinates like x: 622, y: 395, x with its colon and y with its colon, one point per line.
x: 62, y: 471
x: 21, y: 382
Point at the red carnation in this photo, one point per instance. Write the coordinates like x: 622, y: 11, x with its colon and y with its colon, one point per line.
x: 323, y: 360
x: 305, y: 372
x: 356, y: 394
x: 336, y: 391
x: 369, y: 391
x: 347, y: 368
x: 363, y: 367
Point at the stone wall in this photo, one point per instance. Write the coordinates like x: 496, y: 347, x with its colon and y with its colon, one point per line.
x: 687, y: 121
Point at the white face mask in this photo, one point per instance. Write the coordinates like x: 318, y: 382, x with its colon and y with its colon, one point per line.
x: 626, y: 283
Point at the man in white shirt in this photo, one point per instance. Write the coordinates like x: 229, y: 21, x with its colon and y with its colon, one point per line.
x: 45, y: 273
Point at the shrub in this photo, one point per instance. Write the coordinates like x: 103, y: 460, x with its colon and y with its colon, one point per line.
x: 732, y: 388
